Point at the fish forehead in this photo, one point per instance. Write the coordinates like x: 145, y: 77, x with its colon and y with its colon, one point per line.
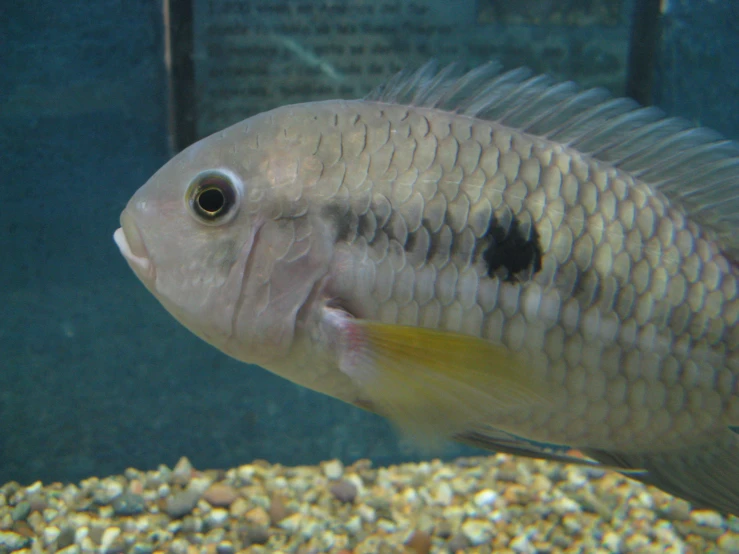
x: 452, y: 222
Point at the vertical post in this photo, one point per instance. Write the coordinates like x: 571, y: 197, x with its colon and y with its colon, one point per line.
x: 644, y: 36
x: 181, y: 73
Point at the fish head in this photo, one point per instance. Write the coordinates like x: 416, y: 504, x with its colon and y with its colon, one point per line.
x: 206, y: 236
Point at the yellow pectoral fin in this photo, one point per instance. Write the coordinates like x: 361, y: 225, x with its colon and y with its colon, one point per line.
x: 433, y: 383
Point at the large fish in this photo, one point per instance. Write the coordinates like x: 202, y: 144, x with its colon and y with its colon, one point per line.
x: 490, y: 257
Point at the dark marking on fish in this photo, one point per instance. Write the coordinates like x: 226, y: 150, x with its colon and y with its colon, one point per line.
x: 367, y: 227
x: 511, y: 249
x: 410, y: 242
x: 342, y: 218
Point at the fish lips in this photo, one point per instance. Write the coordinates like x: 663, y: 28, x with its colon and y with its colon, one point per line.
x: 132, y: 247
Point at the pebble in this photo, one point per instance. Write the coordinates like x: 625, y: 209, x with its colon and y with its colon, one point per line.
x: 217, y: 517
x: 485, y: 497
x: 291, y: 524
x: 367, y: 513
x: 182, y: 472
x: 109, y: 537
x: 129, y: 504
x: 443, y: 494
x: 51, y: 534
x: 707, y: 518
x: 225, y: 547
x: 344, y: 491
x: 21, y: 511
x: 729, y: 542
x: 612, y: 542
x: 109, y: 490
x: 333, y: 469
x: 182, y: 503
x: 476, y: 531
x: 221, y: 495
x: 458, y: 542
x: 523, y: 545
x: 676, y: 510
x: 277, y: 509
x: 565, y: 506
x: 419, y: 542
x: 13, y: 541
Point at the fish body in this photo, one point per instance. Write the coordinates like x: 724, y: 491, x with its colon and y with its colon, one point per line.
x: 492, y: 258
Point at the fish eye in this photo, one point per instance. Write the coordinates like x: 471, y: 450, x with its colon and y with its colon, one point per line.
x: 213, y: 198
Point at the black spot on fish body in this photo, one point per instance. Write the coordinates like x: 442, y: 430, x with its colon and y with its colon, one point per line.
x: 343, y: 219
x: 511, y: 249
x: 367, y: 226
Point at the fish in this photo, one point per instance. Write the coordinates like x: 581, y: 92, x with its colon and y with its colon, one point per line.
x: 491, y: 257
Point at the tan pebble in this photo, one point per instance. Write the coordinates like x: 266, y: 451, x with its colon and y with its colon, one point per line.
x: 136, y: 486
x: 239, y: 507
x: 419, y: 542
x: 220, y: 494
x: 182, y: 472
x: 277, y: 509
x: 258, y: 516
x: 22, y: 528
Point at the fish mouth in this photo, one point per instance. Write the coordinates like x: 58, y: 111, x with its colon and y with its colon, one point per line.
x: 132, y: 247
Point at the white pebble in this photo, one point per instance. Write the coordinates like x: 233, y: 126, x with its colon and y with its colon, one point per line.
x: 51, y: 534
x: 477, y: 531
x: 387, y: 526
x: 410, y: 497
x: 356, y: 480
x: 279, y: 482
x: 565, y: 505
x: 200, y: 484
x: 646, y: 500
x: 109, y: 536
x: 611, y: 542
x: 576, y: 479
x: 707, y: 518
x: 485, y: 497
x: 246, y: 473
x: 354, y: 525
x: 217, y: 517
x: 367, y: 513
x: 333, y: 469
x: 81, y: 534
x: 35, y: 487
x: 443, y: 494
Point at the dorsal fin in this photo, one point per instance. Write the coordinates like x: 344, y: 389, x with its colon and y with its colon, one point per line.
x: 694, y: 167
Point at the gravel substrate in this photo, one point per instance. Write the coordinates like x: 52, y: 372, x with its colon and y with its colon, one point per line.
x: 495, y: 504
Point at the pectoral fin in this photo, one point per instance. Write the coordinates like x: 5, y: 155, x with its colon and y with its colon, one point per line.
x: 433, y: 384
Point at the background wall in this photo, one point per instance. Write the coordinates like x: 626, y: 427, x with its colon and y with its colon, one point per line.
x: 94, y: 375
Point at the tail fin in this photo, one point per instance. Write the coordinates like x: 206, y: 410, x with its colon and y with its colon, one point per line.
x: 706, y: 474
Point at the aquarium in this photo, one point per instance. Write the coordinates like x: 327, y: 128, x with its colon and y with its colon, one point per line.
x: 456, y: 252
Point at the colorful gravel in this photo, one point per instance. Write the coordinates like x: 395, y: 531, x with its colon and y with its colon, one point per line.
x: 497, y: 504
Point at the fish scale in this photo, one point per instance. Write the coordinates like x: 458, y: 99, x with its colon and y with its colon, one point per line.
x: 493, y: 258
x: 608, y: 263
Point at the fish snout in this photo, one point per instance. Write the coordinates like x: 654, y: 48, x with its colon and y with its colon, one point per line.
x: 132, y: 247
